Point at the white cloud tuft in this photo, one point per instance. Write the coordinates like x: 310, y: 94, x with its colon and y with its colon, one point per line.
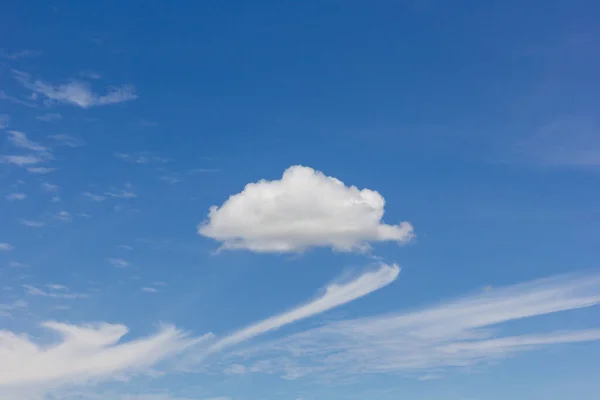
x: 67, y: 140
x: 32, y: 223
x: 303, y: 209
x: 118, y: 262
x: 40, y: 170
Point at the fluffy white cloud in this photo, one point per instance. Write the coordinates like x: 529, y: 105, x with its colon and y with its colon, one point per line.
x: 335, y: 295
x: 303, y: 209
x: 85, y: 352
x: 454, y: 334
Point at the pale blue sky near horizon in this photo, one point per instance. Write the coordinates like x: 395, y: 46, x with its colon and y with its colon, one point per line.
x: 476, y: 122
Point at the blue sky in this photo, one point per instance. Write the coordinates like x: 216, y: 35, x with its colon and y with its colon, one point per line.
x: 299, y: 200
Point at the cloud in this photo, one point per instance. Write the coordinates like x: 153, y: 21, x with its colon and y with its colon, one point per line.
x: 303, y: 209
x: 76, y: 92
x: 454, y: 334
x: 55, y: 291
x: 119, y: 262
x: 67, y: 140
x: 16, y: 196
x: 6, y: 310
x: 40, y: 170
x: 142, y: 157
x: 32, y: 223
x: 19, y: 54
x: 49, y: 117
x: 84, y: 353
x: 568, y: 141
x: 40, y: 152
x: 50, y: 187
x: 149, y: 290
x: 93, y: 197
x: 19, y: 139
x: 6, y: 246
x: 125, y: 193
x: 4, y: 120
x: 63, y: 215
x: 335, y: 295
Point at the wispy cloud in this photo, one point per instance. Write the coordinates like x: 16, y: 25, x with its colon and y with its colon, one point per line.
x: 54, y: 291
x: 15, y: 55
x: 16, y: 196
x: 32, y: 224
x: 6, y: 246
x: 118, y: 262
x: 18, y: 139
x: 78, y: 93
x: 67, y: 140
x: 50, y: 187
x: 49, y: 117
x: 4, y: 120
x: 84, y: 353
x: 124, y: 193
x: 6, y: 310
x: 335, y: 295
x: 64, y: 216
x: 149, y: 290
x: 94, y: 197
x: 141, y: 157
x: 41, y: 170
x: 449, y: 335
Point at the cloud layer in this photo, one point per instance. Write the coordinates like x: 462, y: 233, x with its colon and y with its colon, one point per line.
x: 450, y: 335
x: 303, y: 209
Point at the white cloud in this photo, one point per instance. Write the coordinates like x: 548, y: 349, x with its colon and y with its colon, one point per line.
x: 67, y: 140
x: 32, y: 223
x: 118, y: 262
x: 49, y: 117
x: 19, y: 139
x: 142, y: 157
x: 76, y: 92
x: 49, y: 187
x: 16, y: 196
x: 94, y: 197
x: 40, y: 170
x: 6, y: 247
x: 64, y: 215
x: 303, y: 209
x: 4, y: 120
x: 19, y: 54
x: 55, y: 291
x: 335, y: 295
x: 149, y: 290
x: 16, y: 264
x: 85, y: 353
x: 6, y: 310
x: 455, y: 334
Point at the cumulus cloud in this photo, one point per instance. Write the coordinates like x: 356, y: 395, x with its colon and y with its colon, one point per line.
x: 334, y: 296
x: 304, y: 209
x: 84, y: 353
x: 78, y: 93
x: 455, y: 334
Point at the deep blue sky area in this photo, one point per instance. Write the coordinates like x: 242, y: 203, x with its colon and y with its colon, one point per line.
x: 227, y: 200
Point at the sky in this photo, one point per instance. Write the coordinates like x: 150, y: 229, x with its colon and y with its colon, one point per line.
x: 310, y: 200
